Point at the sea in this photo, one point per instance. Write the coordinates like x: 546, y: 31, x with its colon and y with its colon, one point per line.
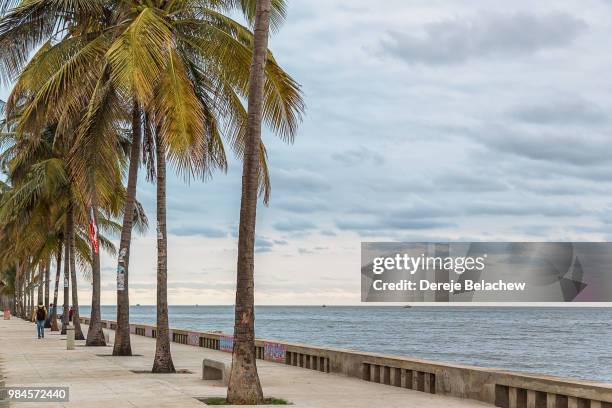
x: 566, y: 342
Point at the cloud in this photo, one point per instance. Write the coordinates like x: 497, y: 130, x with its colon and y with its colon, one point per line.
x: 263, y: 244
x: 300, y: 180
x: 368, y: 227
x: 302, y: 205
x: 295, y: 225
x: 424, y: 216
x: 457, y: 40
x: 561, y: 112
x: 193, y: 230
x: 462, y: 181
x: 579, y: 148
x: 359, y: 156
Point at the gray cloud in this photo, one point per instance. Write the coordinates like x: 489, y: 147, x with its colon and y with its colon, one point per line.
x: 263, y: 244
x: 577, y: 148
x: 294, y: 225
x: 469, y: 182
x: 359, y: 156
x: 301, y: 205
x: 192, y: 230
x: 455, y: 41
x: 300, y: 180
x: 426, y: 216
x: 368, y: 227
x: 561, y: 112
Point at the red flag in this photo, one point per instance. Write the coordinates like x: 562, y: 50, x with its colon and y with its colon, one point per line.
x: 93, y: 232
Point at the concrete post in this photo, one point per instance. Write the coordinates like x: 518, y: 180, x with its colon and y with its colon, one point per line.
x: 394, y: 380
x: 427, y: 383
x: 3, y: 401
x: 70, y: 337
x: 551, y: 400
x: 531, y: 399
x: 383, y: 375
x: 513, y: 400
x: 374, y: 373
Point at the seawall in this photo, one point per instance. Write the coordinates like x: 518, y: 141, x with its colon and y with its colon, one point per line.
x: 497, y: 387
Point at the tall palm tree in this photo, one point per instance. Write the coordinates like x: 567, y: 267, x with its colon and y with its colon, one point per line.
x: 244, y: 385
x: 163, y: 358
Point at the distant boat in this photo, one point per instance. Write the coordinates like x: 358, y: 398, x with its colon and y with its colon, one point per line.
x: 138, y: 304
x: 407, y: 307
x: 324, y: 306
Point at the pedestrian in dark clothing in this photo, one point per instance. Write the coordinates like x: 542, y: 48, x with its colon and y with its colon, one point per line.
x: 41, y: 315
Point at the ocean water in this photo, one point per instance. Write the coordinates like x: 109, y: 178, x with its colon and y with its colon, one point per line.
x: 566, y: 342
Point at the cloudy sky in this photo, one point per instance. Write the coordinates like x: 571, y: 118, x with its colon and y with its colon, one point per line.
x: 454, y: 120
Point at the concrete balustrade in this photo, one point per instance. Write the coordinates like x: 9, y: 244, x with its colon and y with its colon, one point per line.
x: 500, y: 388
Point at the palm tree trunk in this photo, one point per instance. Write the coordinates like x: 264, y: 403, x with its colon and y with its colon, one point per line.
x: 53, y: 318
x: 163, y: 358
x: 47, y: 276
x: 19, y: 300
x: 244, y: 386
x: 68, y: 236
x: 24, y: 292
x: 122, y: 334
x: 41, y: 284
x: 78, y: 332
x: 28, y: 295
x: 95, y: 335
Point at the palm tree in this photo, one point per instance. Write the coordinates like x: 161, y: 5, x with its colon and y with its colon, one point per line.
x: 162, y: 362
x: 47, y: 193
x: 244, y: 385
x: 184, y: 64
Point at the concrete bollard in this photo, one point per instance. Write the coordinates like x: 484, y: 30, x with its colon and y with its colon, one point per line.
x: 3, y: 401
x: 70, y: 337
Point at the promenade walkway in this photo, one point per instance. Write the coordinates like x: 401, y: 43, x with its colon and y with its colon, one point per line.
x: 98, y: 380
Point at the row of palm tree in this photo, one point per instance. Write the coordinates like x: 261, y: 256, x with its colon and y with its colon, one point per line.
x: 102, y: 87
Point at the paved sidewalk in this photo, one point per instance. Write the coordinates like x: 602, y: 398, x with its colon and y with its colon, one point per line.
x: 98, y: 380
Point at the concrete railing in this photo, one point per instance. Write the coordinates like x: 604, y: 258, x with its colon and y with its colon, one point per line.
x: 500, y: 388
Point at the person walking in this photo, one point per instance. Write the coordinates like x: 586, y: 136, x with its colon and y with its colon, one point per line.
x: 41, y: 315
